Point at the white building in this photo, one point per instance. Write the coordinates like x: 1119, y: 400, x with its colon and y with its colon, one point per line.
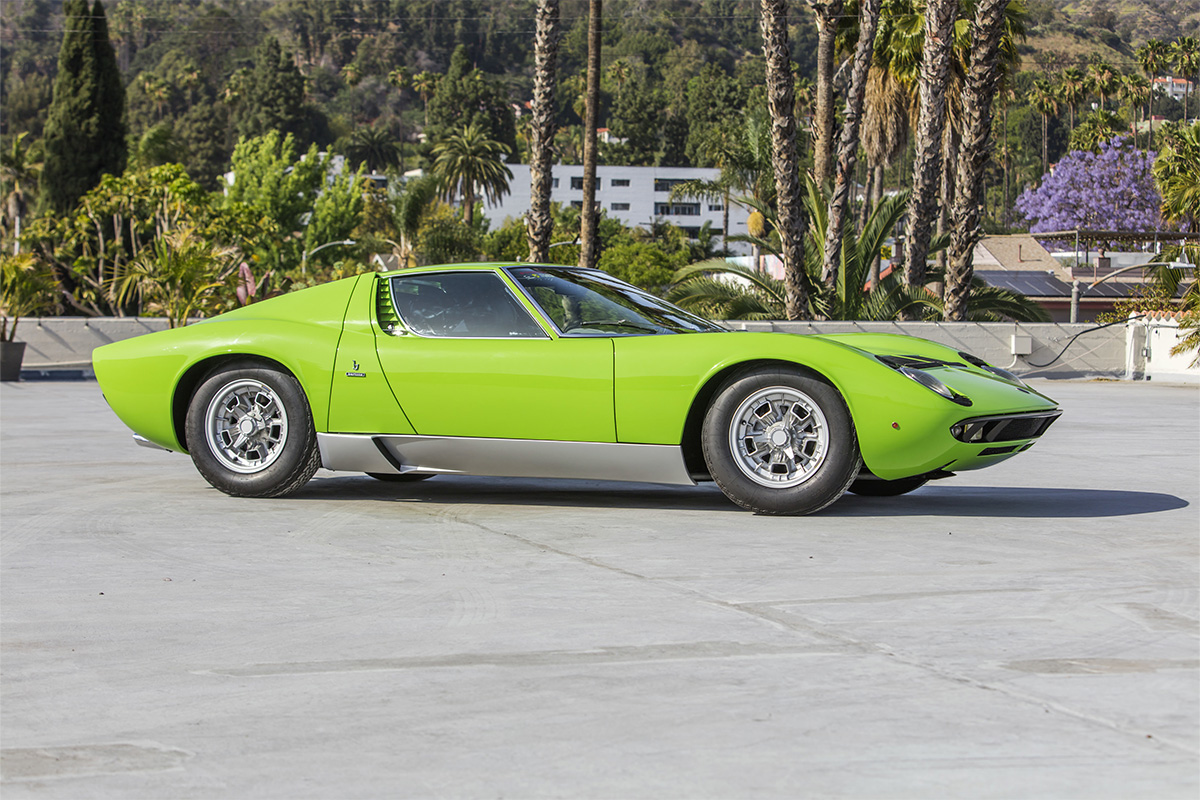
x: 637, y: 196
x: 1175, y: 88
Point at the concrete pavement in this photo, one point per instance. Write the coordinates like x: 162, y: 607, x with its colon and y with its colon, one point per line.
x: 1027, y: 631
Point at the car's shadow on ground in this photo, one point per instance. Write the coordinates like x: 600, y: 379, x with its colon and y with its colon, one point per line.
x: 940, y: 500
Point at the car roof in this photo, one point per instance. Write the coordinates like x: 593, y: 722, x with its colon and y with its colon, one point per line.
x: 480, y: 266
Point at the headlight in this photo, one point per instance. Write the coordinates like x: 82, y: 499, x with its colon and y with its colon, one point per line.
x: 934, y: 385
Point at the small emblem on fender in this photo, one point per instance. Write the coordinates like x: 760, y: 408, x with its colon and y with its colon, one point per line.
x: 356, y: 373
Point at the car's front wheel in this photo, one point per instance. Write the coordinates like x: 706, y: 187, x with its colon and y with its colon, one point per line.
x: 780, y: 441
x: 250, y: 432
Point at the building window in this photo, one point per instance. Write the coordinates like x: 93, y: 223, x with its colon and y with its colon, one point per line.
x: 554, y: 183
x: 577, y: 204
x: 620, y: 206
x: 666, y: 184
x: 717, y: 207
x: 620, y: 181
x: 576, y: 183
x: 677, y: 209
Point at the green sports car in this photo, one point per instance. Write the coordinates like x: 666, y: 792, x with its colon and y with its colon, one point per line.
x: 525, y: 370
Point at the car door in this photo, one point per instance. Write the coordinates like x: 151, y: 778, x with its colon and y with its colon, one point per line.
x: 470, y: 359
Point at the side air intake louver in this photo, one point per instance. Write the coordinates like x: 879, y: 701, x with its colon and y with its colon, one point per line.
x: 389, y: 320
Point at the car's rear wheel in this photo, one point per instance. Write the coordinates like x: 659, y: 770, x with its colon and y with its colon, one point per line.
x: 780, y: 441
x: 876, y: 487
x: 401, y: 477
x: 250, y: 432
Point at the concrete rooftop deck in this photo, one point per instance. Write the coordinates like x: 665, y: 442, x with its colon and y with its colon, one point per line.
x: 1027, y: 631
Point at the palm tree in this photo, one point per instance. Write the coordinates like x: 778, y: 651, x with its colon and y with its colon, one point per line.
x: 886, y: 115
x: 1102, y: 79
x: 177, y: 276
x: 18, y: 176
x: 827, y: 14
x: 468, y: 162
x: 1177, y: 173
x: 1072, y: 89
x: 753, y: 295
x: 935, y: 73
x: 375, y: 147
x: 1044, y: 100
x: 1153, y: 57
x: 424, y: 83
x: 1134, y: 90
x: 539, y: 223
x: 589, y: 245
x: 781, y: 102
x: 618, y: 72
x: 982, y: 80
x: 1095, y: 129
x: 1185, y: 58
x: 847, y: 154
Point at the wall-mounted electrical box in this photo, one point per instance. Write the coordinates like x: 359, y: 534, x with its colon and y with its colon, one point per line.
x: 1021, y: 345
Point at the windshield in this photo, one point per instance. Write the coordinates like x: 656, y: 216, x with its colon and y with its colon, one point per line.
x: 593, y: 303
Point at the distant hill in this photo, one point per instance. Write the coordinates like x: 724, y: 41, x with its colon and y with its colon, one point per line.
x: 1066, y: 32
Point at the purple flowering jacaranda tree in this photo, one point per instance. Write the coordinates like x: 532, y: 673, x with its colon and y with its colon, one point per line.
x: 1112, y: 190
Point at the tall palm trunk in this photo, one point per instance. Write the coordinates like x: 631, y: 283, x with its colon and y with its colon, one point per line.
x: 982, y: 79
x: 950, y: 143
x: 876, y: 199
x: 848, y: 146
x: 827, y: 14
x: 539, y: 224
x: 789, y: 204
x: 589, y: 249
x: 935, y: 68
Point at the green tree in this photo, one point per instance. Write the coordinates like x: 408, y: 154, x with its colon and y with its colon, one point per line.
x: 179, y: 276
x: 336, y: 212
x: 27, y: 287
x: 85, y: 130
x: 273, y: 98
x: 1185, y: 58
x: 1177, y: 173
x: 464, y: 97
x: 269, y: 178
x: 468, y: 162
x: 1095, y: 129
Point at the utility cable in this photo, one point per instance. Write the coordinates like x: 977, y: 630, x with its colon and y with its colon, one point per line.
x: 1081, y: 333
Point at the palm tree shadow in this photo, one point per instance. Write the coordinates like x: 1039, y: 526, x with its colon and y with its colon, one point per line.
x: 936, y: 501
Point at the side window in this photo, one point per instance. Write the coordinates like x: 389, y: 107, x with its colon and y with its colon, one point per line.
x: 462, y: 305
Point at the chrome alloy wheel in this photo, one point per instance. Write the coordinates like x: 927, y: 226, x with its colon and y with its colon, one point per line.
x: 779, y: 437
x: 246, y: 426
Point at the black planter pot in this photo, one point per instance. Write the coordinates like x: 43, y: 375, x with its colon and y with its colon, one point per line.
x: 11, y: 355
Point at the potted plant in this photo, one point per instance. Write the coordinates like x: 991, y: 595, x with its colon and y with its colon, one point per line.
x: 26, y: 288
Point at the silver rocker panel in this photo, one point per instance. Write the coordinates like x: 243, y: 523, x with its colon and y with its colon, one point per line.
x: 504, y: 458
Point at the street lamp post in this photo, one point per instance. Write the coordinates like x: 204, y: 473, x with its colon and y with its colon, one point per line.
x: 304, y: 258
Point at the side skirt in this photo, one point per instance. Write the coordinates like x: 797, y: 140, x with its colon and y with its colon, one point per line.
x: 504, y: 458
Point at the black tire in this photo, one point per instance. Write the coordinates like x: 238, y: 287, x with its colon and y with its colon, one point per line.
x: 876, y: 487
x: 796, y: 458
x: 278, y: 456
x: 401, y: 477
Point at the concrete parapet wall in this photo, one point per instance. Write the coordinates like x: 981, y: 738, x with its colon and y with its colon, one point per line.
x: 54, y: 343
x: 67, y: 342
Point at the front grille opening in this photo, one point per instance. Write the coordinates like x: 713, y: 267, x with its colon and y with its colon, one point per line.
x: 1003, y: 429
x: 997, y: 451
